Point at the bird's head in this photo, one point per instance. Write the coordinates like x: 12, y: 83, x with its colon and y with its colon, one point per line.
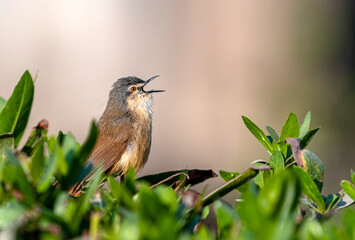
x: 129, y: 93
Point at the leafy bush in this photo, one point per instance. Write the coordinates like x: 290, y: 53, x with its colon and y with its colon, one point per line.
x: 281, y: 198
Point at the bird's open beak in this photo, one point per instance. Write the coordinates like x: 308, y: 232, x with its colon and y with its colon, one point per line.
x: 151, y: 91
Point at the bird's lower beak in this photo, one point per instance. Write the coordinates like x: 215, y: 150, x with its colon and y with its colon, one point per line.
x: 151, y: 91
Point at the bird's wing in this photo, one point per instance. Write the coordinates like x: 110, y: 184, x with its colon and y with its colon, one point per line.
x: 111, y: 143
x: 107, y: 152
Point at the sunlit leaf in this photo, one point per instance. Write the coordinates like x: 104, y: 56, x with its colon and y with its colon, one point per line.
x: 277, y: 161
x: 308, y: 137
x: 291, y: 128
x: 227, y: 176
x: 2, y: 103
x: 305, y: 125
x: 348, y: 188
x: 258, y: 133
x: 310, y: 188
x: 15, y: 114
x: 229, y: 186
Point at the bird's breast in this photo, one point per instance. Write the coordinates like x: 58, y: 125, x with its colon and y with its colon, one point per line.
x: 136, y: 153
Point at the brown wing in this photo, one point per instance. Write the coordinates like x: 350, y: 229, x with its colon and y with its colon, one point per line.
x: 107, y: 153
x: 112, y: 142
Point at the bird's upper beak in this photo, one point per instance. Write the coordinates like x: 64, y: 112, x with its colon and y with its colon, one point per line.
x: 151, y: 91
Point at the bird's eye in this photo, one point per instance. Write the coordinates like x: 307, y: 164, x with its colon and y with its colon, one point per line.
x: 133, y: 89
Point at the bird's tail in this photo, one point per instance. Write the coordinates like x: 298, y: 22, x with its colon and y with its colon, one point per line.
x: 76, y: 189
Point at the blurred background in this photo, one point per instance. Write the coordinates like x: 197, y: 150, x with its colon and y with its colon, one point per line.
x: 218, y: 60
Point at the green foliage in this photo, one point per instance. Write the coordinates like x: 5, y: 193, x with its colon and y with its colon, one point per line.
x: 279, y: 200
x: 15, y: 113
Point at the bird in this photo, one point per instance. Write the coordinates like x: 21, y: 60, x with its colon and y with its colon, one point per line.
x: 124, y: 130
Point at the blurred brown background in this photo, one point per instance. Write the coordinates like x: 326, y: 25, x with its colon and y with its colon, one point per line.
x: 218, y: 60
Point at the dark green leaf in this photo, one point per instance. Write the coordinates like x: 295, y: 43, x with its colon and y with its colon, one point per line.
x: 15, y: 114
x: 352, y: 176
x: 332, y: 200
x: 305, y: 125
x: 38, y: 135
x: 310, y: 188
x: 308, y: 137
x: 291, y: 128
x: 258, y: 133
x: 273, y: 133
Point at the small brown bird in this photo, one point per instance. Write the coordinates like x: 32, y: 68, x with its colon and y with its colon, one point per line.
x: 125, y: 130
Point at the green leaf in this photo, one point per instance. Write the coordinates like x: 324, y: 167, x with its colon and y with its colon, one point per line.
x: 310, y: 188
x: 290, y: 129
x: 277, y: 161
x: 48, y: 173
x: 15, y: 114
x: 38, y: 162
x: 258, y: 133
x: 305, y: 125
x: 114, y: 186
x: 205, y: 212
x: 332, y: 200
x: 348, y: 188
x: 263, y: 176
x: 227, y: 176
x: 229, y: 186
x: 76, y: 156
x: 352, y: 176
x: 6, y: 142
x: 10, y: 212
x: 14, y: 174
x: 226, y: 217
x: 38, y: 135
x: 273, y: 133
x: 89, y: 144
x: 84, y: 203
x: 308, y: 137
x: 2, y: 103
x: 314, y: 167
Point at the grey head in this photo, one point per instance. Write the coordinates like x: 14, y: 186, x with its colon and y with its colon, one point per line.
x: 130, y: 91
